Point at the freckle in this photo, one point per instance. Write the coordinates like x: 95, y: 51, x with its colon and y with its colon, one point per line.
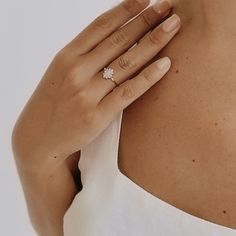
x: 216, y: 123
x: 55, y: 157
x: 52, y: 83
x: 156, y: 98
x: 224, y: 211
x: 186, y: 58
x: 177, y: 71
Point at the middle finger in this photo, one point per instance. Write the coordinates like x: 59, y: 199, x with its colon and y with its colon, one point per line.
x: 125, y: 37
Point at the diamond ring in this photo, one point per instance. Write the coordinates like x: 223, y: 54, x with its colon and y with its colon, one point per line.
x: 108, y: 74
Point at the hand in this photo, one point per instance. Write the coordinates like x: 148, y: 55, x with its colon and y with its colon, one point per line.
x: 73, y: 104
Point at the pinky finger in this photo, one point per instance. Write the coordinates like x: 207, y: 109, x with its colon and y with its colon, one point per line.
x: 126, y: 93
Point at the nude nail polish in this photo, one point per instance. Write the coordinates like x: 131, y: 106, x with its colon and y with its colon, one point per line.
x: 161, y: 7
x: 171, y: 23
x: 164, y: 64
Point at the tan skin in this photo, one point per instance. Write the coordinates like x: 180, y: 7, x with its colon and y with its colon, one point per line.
x: 187, y: 116
x: 72, y: 104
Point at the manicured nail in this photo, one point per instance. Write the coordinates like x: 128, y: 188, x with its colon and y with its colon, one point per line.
x: 161, y: 7
x: 171, y: 23
x: 164, y: 63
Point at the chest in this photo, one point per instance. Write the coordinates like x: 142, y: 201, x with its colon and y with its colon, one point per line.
x: 178, y: 141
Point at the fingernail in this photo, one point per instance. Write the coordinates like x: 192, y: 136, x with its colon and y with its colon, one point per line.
x: 164, y: 63
x: 161, y: 7
x: 171, y: 23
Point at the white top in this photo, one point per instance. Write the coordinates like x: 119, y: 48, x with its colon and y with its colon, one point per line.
x: 110, y: 204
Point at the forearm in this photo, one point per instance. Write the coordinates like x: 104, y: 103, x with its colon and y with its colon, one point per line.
x: 48, y: 192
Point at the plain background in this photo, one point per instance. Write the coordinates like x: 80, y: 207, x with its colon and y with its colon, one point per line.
x: 31, y: 33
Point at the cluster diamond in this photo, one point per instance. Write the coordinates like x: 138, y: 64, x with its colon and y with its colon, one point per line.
x: 108, y: 73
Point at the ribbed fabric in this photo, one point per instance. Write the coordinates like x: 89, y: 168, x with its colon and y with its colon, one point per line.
x: 110, y: 204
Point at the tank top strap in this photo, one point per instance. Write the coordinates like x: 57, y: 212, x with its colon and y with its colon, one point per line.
x: 99, y: 159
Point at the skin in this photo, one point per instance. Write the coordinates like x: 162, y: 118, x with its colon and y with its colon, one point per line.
x: 72, y: 105
x: 189, y: 117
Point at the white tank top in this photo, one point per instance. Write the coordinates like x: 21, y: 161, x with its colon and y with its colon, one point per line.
x: 110, y: 204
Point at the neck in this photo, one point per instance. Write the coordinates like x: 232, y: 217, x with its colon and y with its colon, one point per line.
x: 213, y: 17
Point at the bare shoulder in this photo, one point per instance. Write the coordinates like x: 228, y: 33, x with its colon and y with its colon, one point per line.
x: 178, y: 139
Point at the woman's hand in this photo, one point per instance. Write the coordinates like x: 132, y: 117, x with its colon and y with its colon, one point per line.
x: 73, y: 104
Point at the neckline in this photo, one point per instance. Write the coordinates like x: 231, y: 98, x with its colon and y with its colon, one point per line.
x: 145, y: 192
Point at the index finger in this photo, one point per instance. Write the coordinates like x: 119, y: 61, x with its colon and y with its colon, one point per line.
x: 107, y: 23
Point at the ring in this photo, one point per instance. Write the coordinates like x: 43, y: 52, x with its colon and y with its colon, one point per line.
x: 108, y: 74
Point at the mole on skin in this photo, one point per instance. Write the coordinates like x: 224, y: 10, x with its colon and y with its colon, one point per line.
x: 224, y: 211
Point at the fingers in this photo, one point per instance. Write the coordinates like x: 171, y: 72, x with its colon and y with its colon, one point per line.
x: 125, y: 94
x: 125, y: 37
x: 107, y: 23
x: 129, y: 63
